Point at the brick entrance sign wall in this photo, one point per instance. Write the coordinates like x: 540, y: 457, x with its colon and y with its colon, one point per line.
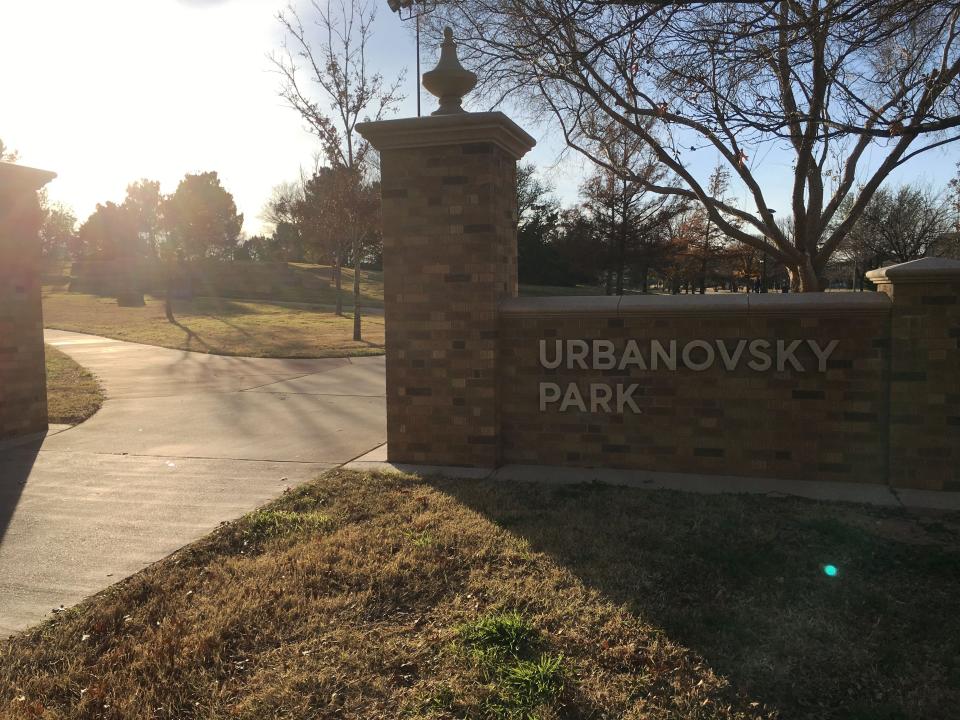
x: 861, y: 387
x: 23, y: 382
x: 733, y: 417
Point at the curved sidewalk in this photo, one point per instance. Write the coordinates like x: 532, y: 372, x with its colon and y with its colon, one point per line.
x: 184, y: 441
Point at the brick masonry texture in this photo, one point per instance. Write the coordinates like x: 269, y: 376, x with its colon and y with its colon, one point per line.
x: 925, y: 385
x: 449, y: 257
x: 23, y: 388
x: 802, y: 425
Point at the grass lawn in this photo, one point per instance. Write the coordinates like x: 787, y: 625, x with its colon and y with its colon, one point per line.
x: 371, y: 285
x: 219, y: 326
x: 73, y: 394
x: 368, y: 596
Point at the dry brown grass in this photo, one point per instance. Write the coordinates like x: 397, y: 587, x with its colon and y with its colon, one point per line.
x: 366, y: 596
x: 73, y: 393
x: 222, y: 327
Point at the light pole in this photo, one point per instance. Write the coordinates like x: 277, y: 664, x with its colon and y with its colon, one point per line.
x: 763, y: 281
x: 414, y: 8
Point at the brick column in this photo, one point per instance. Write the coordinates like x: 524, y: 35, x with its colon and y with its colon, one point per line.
x: 449, y: 258
x: 23, y: 379
x: 924, y: 373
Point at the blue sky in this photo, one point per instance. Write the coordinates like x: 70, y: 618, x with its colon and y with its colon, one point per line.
x: 108, y: 91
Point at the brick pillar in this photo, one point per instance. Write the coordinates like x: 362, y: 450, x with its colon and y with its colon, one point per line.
x: 924, y: 373
x: 23, y: 378
x: 449, y: 258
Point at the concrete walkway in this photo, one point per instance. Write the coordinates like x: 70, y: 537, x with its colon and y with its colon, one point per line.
x: 183, y: 442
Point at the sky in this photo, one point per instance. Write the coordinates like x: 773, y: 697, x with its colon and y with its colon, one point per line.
x: 105, y: 92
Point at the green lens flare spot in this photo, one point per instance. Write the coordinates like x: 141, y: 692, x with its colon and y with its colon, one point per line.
x: 831, y: 570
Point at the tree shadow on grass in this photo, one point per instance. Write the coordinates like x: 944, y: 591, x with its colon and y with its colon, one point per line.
x: 215, y: 307
x: 741, y: 581
x: 231, y: 325
x: 191, y: 336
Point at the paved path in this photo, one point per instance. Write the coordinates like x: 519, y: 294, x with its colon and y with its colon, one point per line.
x: 184, y: 441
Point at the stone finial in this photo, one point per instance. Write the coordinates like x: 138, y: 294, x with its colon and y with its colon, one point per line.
x: 449, y: 80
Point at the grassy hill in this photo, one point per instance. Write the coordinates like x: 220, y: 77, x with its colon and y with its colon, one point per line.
x: 371, y: 597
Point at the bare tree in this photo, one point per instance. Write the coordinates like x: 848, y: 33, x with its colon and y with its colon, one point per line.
x: 630, y: 220
x: 707, y: 241
x: 533, y: 192
x: 284, y: 197
x: 852, y: 89
x: 326, y: 79
x: 901, y: 225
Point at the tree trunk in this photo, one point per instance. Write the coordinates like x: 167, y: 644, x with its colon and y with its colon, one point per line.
x: 357, y: 336
x: 804, y: 277
x: 622, y: 257
x: 168, y: 303
x: 168, y: 295
x: 337, y: 279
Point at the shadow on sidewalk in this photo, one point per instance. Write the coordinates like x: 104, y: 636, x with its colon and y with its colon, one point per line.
x: 16, y: 462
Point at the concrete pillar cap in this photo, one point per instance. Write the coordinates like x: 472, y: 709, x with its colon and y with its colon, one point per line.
x: 924, y: 270
x: 23, y: 178
x: 454, y: 129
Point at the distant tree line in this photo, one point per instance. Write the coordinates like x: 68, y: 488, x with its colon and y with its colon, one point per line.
x: 625, y: 239
x: 199, y: 220
x: 311, y: 220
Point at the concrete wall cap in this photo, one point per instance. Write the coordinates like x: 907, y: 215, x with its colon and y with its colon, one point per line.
x: 818, y: 303
x: 924, y: 270
x: 683, y: 304
x: 561, y: 306
x: 803, y: 304
x: 21, y: 177
x: 455, y: 129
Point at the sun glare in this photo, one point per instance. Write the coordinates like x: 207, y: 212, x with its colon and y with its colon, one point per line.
x: 120, y: 90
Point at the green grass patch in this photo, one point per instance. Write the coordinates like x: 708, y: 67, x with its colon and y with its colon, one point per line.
x: 522, y: 683
x: 262, y: 525
x: 73, y: 393
x: 505, y: 635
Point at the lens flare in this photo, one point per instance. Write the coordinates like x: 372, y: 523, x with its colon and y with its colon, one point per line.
x: 831, y: 570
